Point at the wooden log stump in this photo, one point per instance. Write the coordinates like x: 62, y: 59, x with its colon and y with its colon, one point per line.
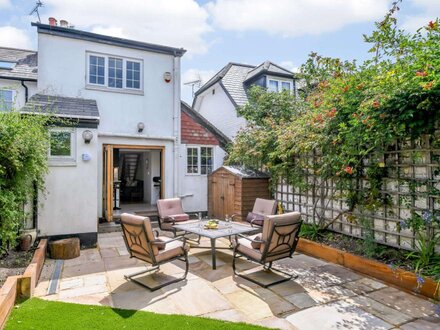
x: 67, y: 248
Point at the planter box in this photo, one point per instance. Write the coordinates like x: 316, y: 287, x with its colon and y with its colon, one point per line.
x: 394, y: 276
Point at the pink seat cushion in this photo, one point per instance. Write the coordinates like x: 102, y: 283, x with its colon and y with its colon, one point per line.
x: 178, y: 217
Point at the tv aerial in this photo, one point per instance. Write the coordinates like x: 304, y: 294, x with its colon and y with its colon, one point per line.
x: 38, y: 4
x: 194, y: 84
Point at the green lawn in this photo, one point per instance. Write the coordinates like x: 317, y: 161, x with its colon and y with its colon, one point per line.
x: 41, y: 314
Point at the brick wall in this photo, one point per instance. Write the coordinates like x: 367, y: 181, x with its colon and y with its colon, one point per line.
x: 194, y: 133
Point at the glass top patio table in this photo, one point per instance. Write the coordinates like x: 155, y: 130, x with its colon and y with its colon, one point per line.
x: 224, y: 229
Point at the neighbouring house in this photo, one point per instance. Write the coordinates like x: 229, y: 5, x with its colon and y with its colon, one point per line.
x: 218, y: 99
x: 118, y: 148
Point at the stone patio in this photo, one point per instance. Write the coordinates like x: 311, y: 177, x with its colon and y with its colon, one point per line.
x: 324, y: 296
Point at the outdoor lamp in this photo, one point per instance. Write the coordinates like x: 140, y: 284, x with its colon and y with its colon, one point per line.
x: 140, y: 127
x: 87, y: 136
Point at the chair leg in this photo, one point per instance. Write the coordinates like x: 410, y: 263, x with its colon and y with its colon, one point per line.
x: 157, y: 287
x: 264, y: 285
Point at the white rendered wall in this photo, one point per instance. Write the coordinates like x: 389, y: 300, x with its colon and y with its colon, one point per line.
x: 62, y: 71
x: 20, y: 94
x: 194, y: 188
x: 220, y: 111
x: 71, y: 199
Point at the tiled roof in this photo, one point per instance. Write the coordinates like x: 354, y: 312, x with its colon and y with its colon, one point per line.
x: 234, y: 76
x: 268, y: 68
x: 198, y: 118
x: 64, y: 107
x: 25, y: 64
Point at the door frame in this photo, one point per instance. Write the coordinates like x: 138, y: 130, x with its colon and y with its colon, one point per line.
x: 108, y: 179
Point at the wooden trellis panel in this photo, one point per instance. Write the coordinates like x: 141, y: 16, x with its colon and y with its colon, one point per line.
x: 412, y: 184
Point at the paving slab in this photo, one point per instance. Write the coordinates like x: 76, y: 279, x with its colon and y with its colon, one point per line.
x: 336, y: 315
x: 404, y: 302
x: 425, y: 323
x: 364, y: 285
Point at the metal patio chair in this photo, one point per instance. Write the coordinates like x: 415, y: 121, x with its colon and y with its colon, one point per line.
x: 170, y: 213
x: 277, y: 241
x: 142, y: 244
x: 262, y: 208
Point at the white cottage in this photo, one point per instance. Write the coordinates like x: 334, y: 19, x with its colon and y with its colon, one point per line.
x: 121, y: 152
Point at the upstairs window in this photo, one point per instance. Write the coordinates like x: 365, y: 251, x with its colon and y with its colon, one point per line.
x: 114, y: 72
x: 273, y: 86
x: 278, y: 85
x: 97, y: 70
x: 6, y: 99
x: 133, y: 75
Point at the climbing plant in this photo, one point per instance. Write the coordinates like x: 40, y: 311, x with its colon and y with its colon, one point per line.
x: 23, y: 165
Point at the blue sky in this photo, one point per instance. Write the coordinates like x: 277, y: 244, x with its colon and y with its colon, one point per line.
x: 216, y: 32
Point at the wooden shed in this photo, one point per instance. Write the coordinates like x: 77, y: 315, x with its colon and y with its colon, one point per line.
x: 233, y: 189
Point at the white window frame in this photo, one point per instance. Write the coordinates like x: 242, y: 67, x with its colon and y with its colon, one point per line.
x: 14, y: 94
x: 199, y: 159
x: 106, y: 86
x: 280, y: 85
x: 64, y: 160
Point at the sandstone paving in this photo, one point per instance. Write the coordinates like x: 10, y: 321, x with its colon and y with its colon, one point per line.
x: 323, y: 296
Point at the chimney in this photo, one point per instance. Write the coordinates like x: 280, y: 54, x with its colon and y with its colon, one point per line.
x: 52, y: 21
x: 64, y: 23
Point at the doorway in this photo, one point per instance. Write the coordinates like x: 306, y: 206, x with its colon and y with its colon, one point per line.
x: 132, y: 180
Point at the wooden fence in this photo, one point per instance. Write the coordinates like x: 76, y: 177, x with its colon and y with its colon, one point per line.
x: 411, y: 186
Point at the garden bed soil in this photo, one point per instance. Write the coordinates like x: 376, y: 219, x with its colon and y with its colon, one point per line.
x: 14, y: 263
x: 385, y: 254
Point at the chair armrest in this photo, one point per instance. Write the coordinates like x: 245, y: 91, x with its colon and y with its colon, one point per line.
x: 252, y: 223
x: 178, y: 238
x: 170, y: 219
x: 250, y: 239
x: 234, y: 215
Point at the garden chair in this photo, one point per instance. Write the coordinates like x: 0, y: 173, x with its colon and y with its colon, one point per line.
x: 171, y: 212
x: 144, y: 245
x: 262, y: 208
x: 277, y: 241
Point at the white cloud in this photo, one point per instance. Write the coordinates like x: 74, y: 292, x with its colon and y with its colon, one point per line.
x: 5, y: 4
x: 176, y: 23
x: 289, y: 18
x: 12, y: 37
x: 289, y: 66
x: 430, y: 10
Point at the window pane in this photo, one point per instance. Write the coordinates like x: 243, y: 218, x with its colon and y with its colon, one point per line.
x: 192, y: 161
x: 115, y: 72
x: 273, y: 86
x: 133, y: 74
x: 206, y: 160
x: 6, y: 99
x: 285, y: 85
x: 96, y: 70
x: 60, y: 143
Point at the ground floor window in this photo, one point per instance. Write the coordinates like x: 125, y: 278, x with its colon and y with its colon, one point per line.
x: 62, y: 144
x: 200, y: 160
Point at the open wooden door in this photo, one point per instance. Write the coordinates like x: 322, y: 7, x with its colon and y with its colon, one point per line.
x: 107, y: 187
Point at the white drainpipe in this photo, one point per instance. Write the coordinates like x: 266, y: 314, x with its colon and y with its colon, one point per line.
x: 176, y: 122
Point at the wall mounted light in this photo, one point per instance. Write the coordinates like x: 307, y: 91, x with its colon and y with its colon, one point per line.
x: 87, y: 136
x: 140, y: 127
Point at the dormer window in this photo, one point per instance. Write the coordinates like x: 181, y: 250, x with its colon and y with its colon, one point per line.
x: 114, y: 73
x: 277, y: 86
